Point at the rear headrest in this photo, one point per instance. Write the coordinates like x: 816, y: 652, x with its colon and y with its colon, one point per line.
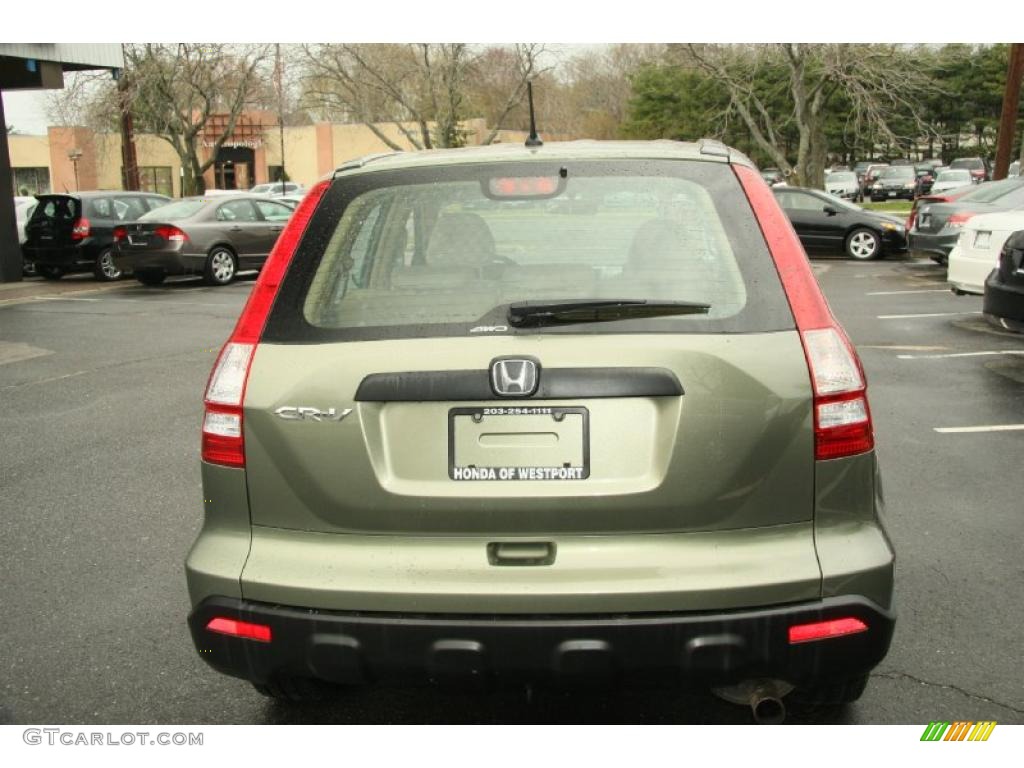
x: 460, y: 239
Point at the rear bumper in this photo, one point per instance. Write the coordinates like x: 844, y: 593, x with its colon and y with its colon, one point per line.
x: 967, y: 273
x: 171, y: 262
x: 716, y: 648
x: 66, y: 256
x: 1004, y: 303
x: 937, y: 244
x: 892, y: 194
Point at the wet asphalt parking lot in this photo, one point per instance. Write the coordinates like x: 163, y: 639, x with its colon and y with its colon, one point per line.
x: 100, y: 399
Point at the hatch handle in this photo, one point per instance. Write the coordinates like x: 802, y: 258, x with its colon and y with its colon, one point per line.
x: 521, y: 553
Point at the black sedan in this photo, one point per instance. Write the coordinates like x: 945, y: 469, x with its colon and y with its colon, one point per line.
x: 1004, y: 288
x: 824, y: 222
x: 898, y: 182
x: 937, y: 226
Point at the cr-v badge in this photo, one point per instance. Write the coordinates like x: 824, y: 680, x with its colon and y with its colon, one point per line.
x: 305, y: 413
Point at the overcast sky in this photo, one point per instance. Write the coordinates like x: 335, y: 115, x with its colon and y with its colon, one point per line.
x: 26, y: 111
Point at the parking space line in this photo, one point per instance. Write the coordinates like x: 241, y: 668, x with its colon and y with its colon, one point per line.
x: 926, y: 314
x: 962, y: 354
x: 916, y: 290
x: 154, y: 302
x: 989, y: 428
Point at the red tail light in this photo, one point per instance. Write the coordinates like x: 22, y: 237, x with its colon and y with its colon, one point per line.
x: 822, y: 630
x: 120, y: 233
x: 959, y: 219
x: 243, y: 629
x: 842, y: 419
x: 170, y: 233
x: 223, y: 442
x: 81, y: 228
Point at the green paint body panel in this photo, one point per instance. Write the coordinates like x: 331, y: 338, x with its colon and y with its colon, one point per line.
x: 214, y: 564
x: 735, y: 451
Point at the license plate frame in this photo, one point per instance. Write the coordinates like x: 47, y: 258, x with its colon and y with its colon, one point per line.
x: 568, y: 471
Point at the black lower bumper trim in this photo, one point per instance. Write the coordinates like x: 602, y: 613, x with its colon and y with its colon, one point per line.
x: 717, y: 648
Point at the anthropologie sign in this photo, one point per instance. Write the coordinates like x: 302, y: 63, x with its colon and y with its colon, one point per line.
x: 235, y: 144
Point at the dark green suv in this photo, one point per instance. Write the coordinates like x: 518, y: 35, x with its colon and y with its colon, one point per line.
x: 558, y: 412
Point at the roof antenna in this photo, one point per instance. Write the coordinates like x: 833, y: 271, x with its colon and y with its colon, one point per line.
x: 533, y: 140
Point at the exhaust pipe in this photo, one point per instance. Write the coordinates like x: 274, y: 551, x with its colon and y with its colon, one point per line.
x: 767, y: 710
x: 764, y: 697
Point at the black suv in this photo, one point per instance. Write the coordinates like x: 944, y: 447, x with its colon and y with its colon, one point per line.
x: 75, y: 232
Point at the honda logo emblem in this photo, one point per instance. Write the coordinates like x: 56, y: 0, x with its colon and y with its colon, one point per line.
x: 514, y: 376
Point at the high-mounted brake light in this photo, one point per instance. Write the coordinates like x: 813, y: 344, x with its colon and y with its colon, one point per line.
x: 842, y: 418
x: 236, y: 628
x: 223, y: 441
x: 81, y: 228
x: 523, y: 186
x: 823, y: 630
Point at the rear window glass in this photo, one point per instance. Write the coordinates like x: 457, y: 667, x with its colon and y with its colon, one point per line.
x: 841, y: 176
x: 1002, y: 192
x: 972, y: 164
x: 56, y: 209
x: 181, y: 209
x: 898, y: 172
x: 954, y: 176
x: 445, y: 251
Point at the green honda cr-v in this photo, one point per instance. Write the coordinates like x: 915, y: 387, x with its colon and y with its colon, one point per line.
x: 548, y: 412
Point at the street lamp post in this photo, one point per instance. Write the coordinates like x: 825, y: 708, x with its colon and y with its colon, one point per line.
x: 74, y: 155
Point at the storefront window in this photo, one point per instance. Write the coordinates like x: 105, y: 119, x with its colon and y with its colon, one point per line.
x: 156, y: 178
x: 31, y: 181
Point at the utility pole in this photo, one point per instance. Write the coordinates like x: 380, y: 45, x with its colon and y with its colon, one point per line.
x: 280, y: 109
x: 1008, y: 118
x: 129, y: 160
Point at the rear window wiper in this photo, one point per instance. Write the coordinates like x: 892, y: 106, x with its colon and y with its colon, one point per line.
x: 532, y: 313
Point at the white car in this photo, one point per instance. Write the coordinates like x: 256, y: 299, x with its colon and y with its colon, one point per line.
x: 277, y: 189
x: 976, y: 253
x: 842, y: 184
x: 23, y: 208
x: 951, y: 179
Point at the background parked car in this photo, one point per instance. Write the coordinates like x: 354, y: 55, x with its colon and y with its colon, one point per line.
x: 215, y: 238
x: 870, y: 176
x: 976, y: 165
x: 937, y: 225
x: 822, y: 221
x: 1004, y: 288
x: 292, y: 201
x: 1014, y: 169
x: 951, y: 179
x: 842, y: 184
x: 23, y: 208
x: 277, y: 188
x: 976, y: 252
x: 75, y: 232
x: 773, y: 176
x: 925, y: 179
x: 895, y: 182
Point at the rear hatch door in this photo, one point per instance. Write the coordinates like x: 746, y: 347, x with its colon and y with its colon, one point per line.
x: 371, y: 403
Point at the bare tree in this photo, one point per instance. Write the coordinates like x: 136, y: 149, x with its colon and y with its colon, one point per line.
x: 876, y: 79
x: 422, y: 89
x: 177, y: 89
x: 84, y: 100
